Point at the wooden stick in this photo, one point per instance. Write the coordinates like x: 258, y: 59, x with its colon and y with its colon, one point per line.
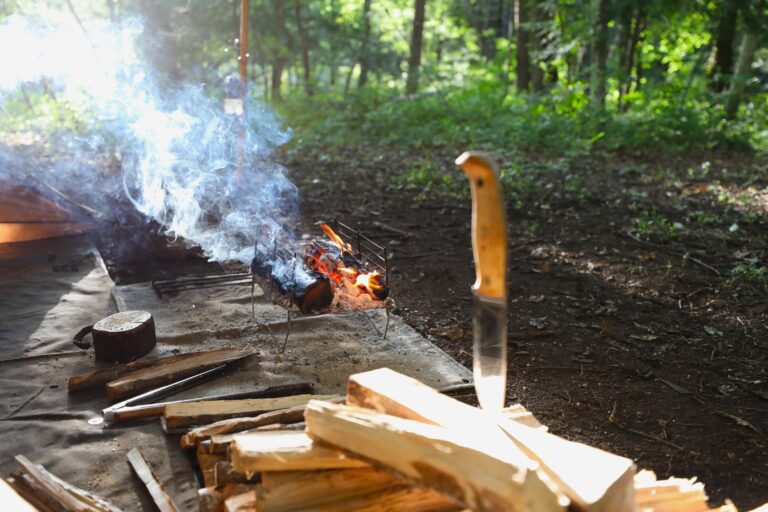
x: 471, y: 468
x: 606, y: 487
x: 170, y: 371
x: 35, y: 494
x: 155, y: 488
x: 231, y: 426
x: 285, y: 451
x: 98, y: 378
x: 190, y: 414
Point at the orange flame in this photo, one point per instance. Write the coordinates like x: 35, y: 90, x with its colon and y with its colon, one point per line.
x: 336, y: 239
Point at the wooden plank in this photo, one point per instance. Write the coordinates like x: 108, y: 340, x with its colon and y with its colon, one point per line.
x: 285, y: 451
x: 608, y: 486
x: 190, y: 414
x: 35, y: 493
x: 231, y: 426
x: 207, y: 461
x: 98, y: 378
x: 475, y: 470
x: 225, y: 474
x: 522, y: 415
x: 402, y: 498
x: 155, y: 376
x: 155, y: 488
x: 62, y: 493
x: 12, y: 500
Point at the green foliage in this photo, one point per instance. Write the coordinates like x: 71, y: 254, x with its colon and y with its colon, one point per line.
x: 653, y: 224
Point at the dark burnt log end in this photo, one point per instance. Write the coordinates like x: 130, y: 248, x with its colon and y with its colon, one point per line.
x: 316, y: 296
x: 124, y: 336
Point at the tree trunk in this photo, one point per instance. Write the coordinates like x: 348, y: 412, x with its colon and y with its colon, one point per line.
x: 277, y: 80
x: 536, y: 46
x: 600, y: 54
x: 742, y: 72
x: 523, y: 69
x: 304, y: 41
x: 364, y: 53
x: 279, y: 61
x: 417, y: 37
x: 725, y: 34
x: 634, y: 30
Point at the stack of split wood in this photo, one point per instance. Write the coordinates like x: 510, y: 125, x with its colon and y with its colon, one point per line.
x: 399, y: 445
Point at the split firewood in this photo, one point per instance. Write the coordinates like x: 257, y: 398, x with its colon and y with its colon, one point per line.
x: 155, y: 488
x: 65, y: 496
x: 343, y: 490
x: 469, y: 467
x: 12, y: 500
x: 34, y: 493
x: 211, y: 499
x: 672, y: 495
x: 171, y: 371
x: 207, y: 461
x: 285, y: 451
x: 241, y: 502
x: 607, y: 487
x: 190, y: 414
x: 231, y: 426
x: 98, y: 378
x: 522, y: 415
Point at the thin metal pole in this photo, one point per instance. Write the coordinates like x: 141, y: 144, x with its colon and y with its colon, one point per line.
x: 243, y: 58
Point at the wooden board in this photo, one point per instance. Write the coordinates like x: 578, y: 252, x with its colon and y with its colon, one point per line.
x: 285, y: 451
x: 211, y: 499
x: 171, y: 371
x: 469, y: 468
x: 155, y: 488
x: 189, y: 414
x: 98, y: 378
x: 608, y: 486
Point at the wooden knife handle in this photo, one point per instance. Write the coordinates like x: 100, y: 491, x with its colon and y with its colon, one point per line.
x: 489, y: 232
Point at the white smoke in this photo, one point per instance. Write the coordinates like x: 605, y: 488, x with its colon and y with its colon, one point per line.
x: 178, y: 148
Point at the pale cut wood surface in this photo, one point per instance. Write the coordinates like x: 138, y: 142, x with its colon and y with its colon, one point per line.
x: 188, y: 414
x: 608, y: 486
x: 12, y: 501
x: 285, y: 451
x: 171, y: 371
x: 472, y: 469
x: 155, y: 488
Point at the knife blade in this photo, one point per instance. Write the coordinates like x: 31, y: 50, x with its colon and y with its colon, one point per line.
x: 489, y: 244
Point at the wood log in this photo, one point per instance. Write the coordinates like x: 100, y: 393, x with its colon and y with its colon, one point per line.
x: 124, y: 336
x: 471, y: 468
x: 155, y: 488
x: 607, y: 487
x: 60, y: 492
x: 231, y: 426
x: 211, y: 499
x: 190, y: 414
x: 158, y: 409
x: 13, y: 501
x: 171, y: 371
x: 285, y: 451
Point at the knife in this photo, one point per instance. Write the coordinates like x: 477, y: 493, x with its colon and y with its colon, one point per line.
x: 489, y: 244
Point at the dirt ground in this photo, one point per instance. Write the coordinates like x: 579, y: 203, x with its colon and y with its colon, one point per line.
x: 637, y: 293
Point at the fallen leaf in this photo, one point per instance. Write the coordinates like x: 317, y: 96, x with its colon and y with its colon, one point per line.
x: 740, y: 421
x: 713, y: 332
x: 679, y: 389
x: 644, y: 337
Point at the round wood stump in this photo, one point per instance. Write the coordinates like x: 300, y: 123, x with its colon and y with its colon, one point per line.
x: 124, y: 336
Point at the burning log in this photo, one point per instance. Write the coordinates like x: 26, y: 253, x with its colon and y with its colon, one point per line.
x: 326, y: 268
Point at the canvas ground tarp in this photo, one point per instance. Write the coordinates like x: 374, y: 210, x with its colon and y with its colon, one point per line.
x: 41, y: 309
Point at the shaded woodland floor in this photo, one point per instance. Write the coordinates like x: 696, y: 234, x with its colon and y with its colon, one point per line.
x: 638, y: 302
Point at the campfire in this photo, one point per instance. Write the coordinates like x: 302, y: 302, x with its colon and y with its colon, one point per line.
x: 344, y: 271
